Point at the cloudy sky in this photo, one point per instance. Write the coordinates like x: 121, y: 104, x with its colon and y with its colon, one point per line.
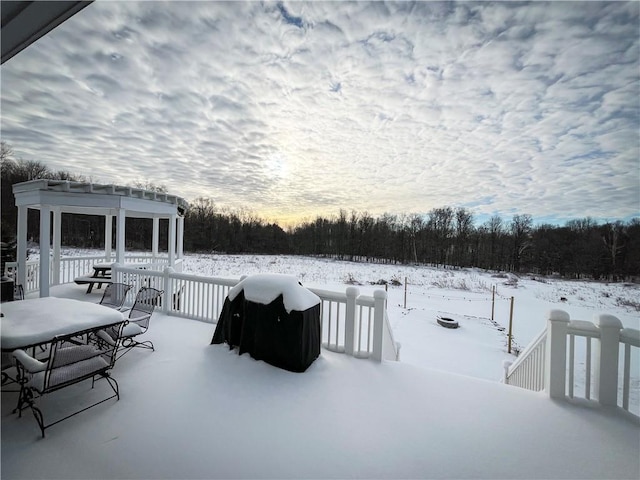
x: 299, y: 109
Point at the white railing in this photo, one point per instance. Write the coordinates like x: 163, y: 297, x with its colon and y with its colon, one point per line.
x: 596, y: 361
x: 33, y: 274
x: 354, y: 324
x: 351, y: 323
x: 528, y: 370
x: 184, y: 295
x: 630, y: 338
x: 73, y: 267
x: 391, y: 348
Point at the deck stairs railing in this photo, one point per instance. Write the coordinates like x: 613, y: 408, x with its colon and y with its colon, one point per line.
x: 595, y: 361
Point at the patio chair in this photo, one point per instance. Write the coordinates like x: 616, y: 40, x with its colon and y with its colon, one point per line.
x: 67, y: 365
x: 7, y: 357
x: 114, y: 295
x: 138, y: 321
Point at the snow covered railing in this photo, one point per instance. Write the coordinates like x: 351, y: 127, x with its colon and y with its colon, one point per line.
x: 33, y: 274
x: 185, y: 295
x: 353, y: 324
x: 72, y: 267
x: 528, y: 370
x: 356, y: 324
x: 630, y: 338
x: 602, y: 365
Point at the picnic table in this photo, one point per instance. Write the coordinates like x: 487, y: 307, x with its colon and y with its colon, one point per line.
x: 101, y: 274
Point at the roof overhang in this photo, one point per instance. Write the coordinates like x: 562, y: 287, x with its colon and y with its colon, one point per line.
x: 25, y: 22
x: 96, y: 199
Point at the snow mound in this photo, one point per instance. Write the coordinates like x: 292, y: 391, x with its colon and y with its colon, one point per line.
x: 264, y: 288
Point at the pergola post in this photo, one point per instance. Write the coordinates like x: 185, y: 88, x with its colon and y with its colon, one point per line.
x: 57, y: 240
x: 180, y: 237
x: 45, y: 239
x: 172, y: 240
x: 108, y: 236
x: 155, y: 238
x: 21, y: 248
x: 121, y: 218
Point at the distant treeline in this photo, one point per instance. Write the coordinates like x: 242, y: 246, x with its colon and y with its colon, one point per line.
x: 445, y: 236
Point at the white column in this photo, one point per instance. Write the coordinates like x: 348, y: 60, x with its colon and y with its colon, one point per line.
x: 606, y: 381
x: 556, y: 354
x: 108, y: 236
x: 350, y: 320
x: 380, y: 299
x: 121, y: 218
x: 172, y: 241
x: 180, y: 237
x: 21, y: 249
x: 167, y: 296
x: 57, y: 240
x: 45, y: 239
x: 155, y: 238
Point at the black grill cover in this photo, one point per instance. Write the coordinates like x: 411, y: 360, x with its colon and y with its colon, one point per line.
x: 288, y: 340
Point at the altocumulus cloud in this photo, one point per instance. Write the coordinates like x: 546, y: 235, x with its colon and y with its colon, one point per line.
x: 296, y: 109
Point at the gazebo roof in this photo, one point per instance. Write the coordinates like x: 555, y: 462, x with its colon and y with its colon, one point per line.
x: 97, y: 199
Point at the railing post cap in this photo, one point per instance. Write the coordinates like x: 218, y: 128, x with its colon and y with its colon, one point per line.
x: 115, y: 265
x: 559, y: 316
x: 352, y: 291
x: 607, y: 321
x: 381, y: 294
x: 169, y: 270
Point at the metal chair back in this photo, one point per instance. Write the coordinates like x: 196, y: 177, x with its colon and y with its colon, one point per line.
x: 115, y: 294
x: 146, y: 301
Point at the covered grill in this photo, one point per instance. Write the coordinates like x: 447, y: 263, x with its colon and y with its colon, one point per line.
x: 273, y: 318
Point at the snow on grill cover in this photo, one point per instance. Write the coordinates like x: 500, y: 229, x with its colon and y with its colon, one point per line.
x: 273, y: 318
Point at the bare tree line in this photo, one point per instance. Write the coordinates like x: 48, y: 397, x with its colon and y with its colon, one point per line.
x: 445, y: 236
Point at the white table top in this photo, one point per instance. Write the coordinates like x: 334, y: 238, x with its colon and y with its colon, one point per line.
x: 31, y: 322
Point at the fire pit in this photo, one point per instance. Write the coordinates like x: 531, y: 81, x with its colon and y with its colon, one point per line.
x: 447, y: 322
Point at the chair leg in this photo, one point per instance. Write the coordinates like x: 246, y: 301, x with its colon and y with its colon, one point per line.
x: 128, y: 344
x: 26, y: 397
x: 112, y: 383
x: 37, y: 413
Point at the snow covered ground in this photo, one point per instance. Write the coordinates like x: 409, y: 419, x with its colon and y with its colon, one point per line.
x: 191, y: 410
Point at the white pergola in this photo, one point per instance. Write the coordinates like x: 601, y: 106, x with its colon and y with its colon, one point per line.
x: 55, y: 197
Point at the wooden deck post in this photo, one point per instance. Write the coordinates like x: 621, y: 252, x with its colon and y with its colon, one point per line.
x: 606, y: 381
x: 350, y: 320
x: 380, y: 298
x: 45, y: 248
x: 556, y: 354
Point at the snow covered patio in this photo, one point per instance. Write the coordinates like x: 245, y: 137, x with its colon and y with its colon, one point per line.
x: 194, y: 410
